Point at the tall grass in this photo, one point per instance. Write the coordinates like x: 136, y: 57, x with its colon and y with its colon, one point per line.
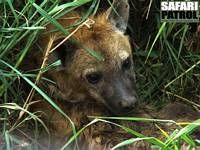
x: 167, y: 68
x: 21, y: 22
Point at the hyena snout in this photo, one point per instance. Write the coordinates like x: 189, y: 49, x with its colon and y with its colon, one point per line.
x: 126, y: 105
x: 121, y: 104
x: 120, y: 94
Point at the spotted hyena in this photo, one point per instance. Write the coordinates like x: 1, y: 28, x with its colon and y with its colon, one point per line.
x: 86, y: 85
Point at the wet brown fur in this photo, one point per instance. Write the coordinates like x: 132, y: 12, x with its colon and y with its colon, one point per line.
x: 59, y: 126
x: 95, y: 136
x: 101, y: 32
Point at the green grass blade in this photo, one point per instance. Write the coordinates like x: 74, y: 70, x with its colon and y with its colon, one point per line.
x: 40, y: 92
x: 130, y: 141
x: 7, y: 140
x: 156, y: 38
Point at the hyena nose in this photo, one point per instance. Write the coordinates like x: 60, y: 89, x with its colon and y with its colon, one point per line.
x: 126, y: 105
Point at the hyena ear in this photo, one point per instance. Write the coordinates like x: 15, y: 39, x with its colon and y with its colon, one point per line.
x: 64, y: 53
x: 118, y: 14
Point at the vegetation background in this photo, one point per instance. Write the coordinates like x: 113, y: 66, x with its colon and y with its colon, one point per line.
x: 166, y: 56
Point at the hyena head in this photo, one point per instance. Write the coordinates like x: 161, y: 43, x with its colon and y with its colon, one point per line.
x: 111, y: 80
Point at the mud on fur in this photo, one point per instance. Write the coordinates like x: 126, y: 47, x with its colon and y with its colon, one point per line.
x: 86, y: 85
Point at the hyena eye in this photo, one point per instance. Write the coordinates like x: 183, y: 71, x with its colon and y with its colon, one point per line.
x: 94, y: 78
x: 126, y: 65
